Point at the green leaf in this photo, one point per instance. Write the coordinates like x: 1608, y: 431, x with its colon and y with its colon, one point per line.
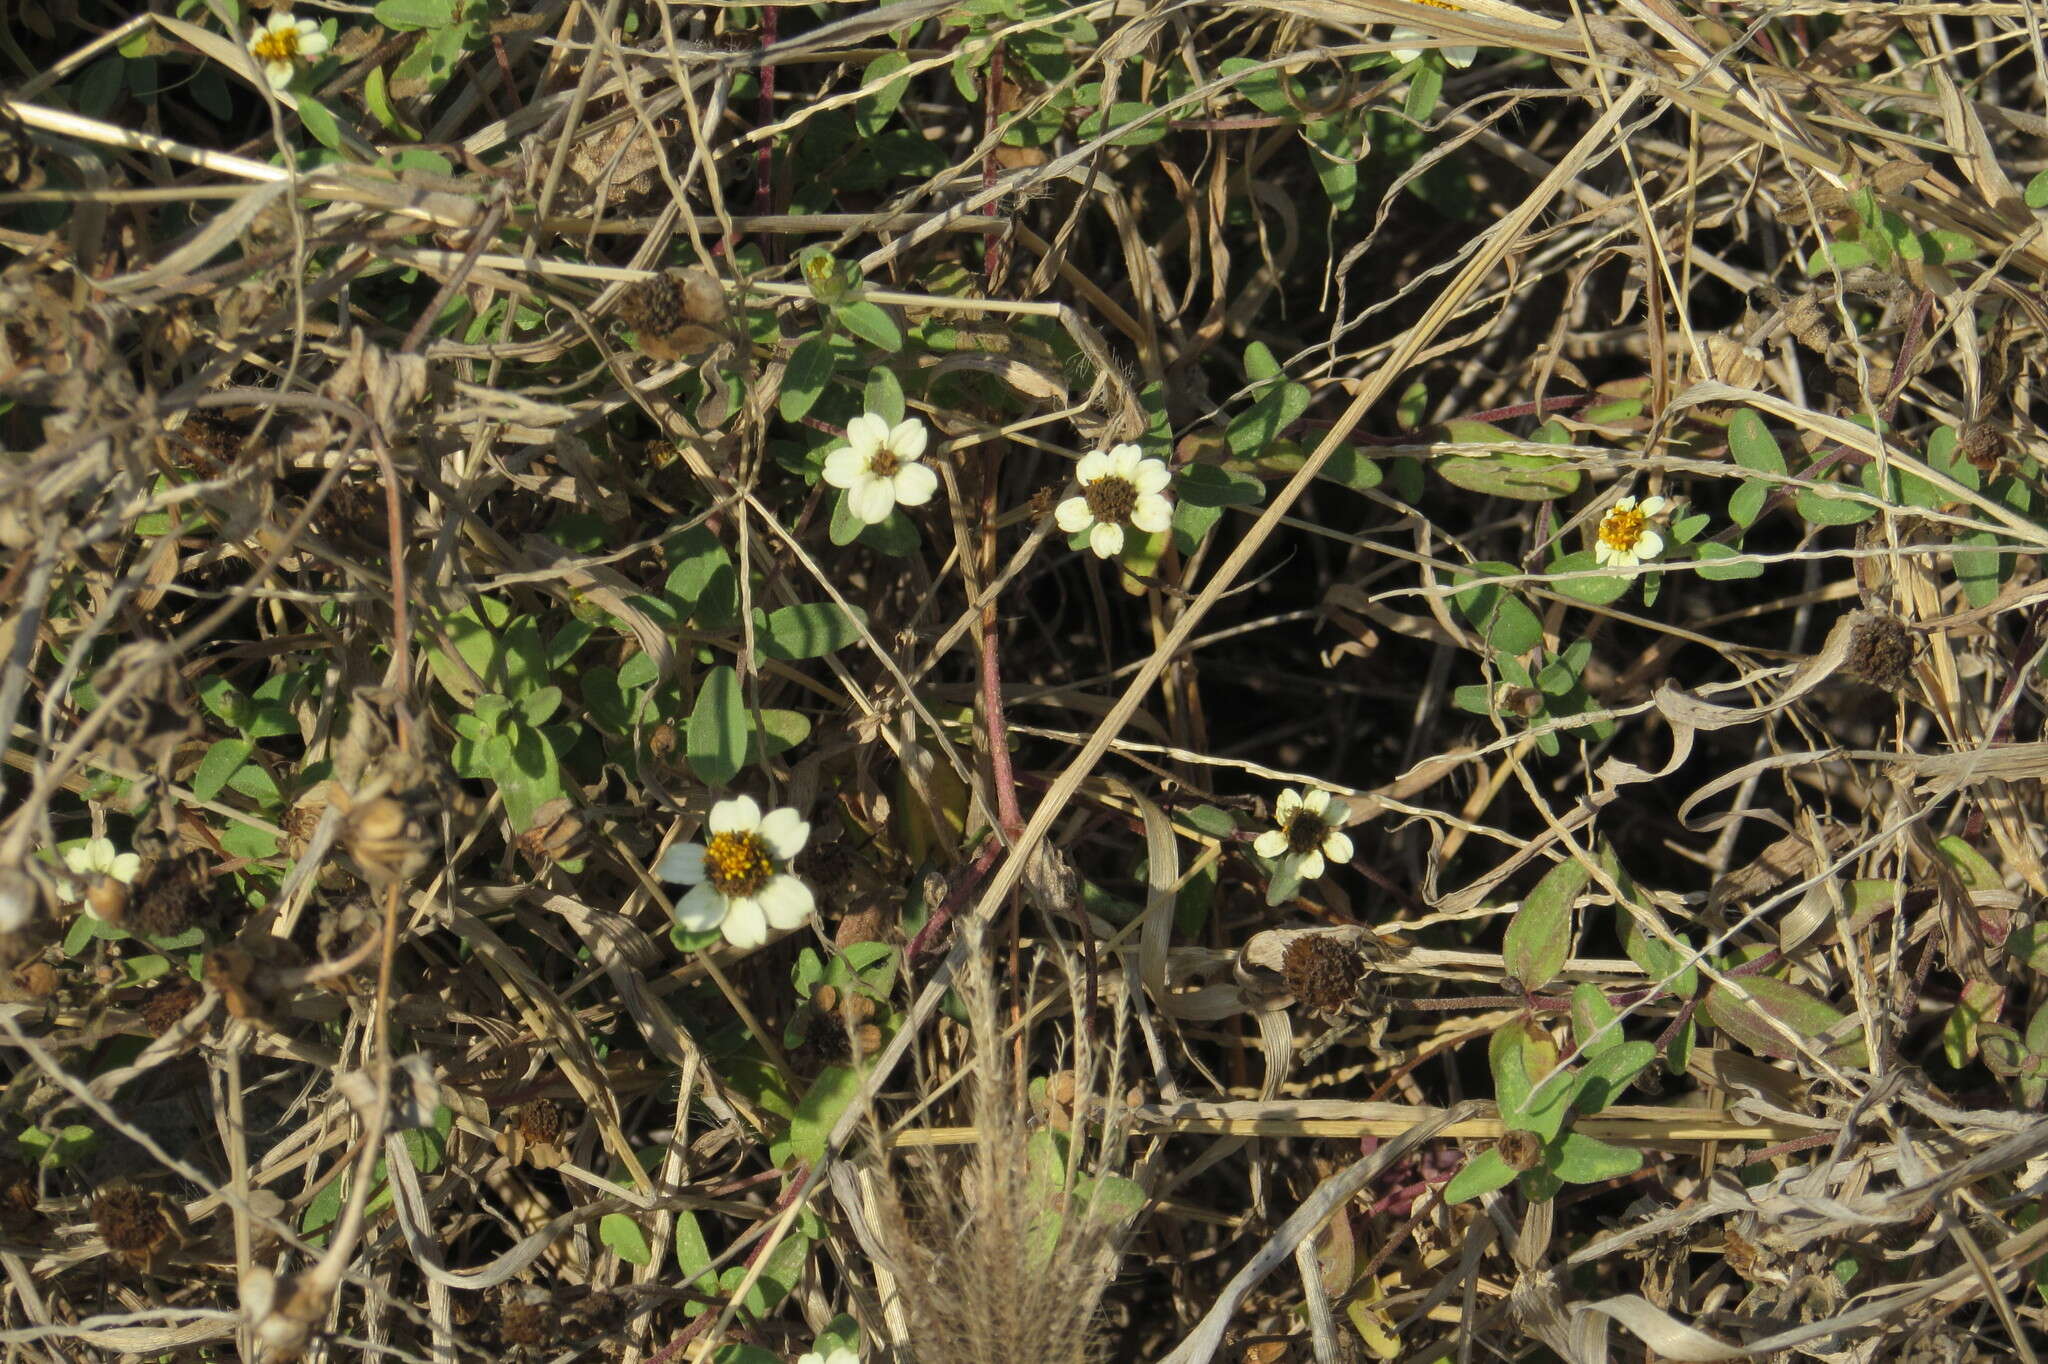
x: 1840, y: 257
x: 1721, y: 563
x: 1747, y: 502
x: 1753, y: 446
x: 1579, y: 1159
x: 804, y: 378
x: 410, y: 14
x: 1611, y: 585
x: 693, y: 1258
x: 779, y: 731
x: 623, y: 1235
x: 1819, y: 508
x: 1593, y: 1021
x: 1971, y: 866
x: 1352, y: 469
x: 1606, y: 1075
x: 1524, y: 478
x: 1805, y: 1014
x: 1262, y: 88
x: 320, y: 122
x: 1425, y: 88
x: 808, y: 631
x: 1260, y: 366
x: 820, y: 1107
x: 1532, y: 1092
x: 1119, y: 114
x: 1261, y: 424
x: 717, y: 739
x: 377, y: 99
x: 872, y: 111
x: 884, y: 395
x: 1482, y: 1174
x: 1503, y: 620
x: 221, y: 762
x: 1539, y: 936
x: 871, y: 324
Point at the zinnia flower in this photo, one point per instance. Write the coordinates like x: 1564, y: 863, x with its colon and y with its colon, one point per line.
x: 1119, y: 487
x: 284, y: 41
x: 1308, y: 833
x: 739, y: 878
x: 1625, y: 538
x: 878, y: 467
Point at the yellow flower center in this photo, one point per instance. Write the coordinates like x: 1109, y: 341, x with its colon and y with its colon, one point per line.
x: 1305, y: 832
x: 1111, y: 499
x: 737, y: 865
x: 1622, y: 530
x: 277, y: 45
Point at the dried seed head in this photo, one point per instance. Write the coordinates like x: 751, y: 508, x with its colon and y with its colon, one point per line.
x: 18, y: 1199
x: 37, y: 979
x: 541, y: 1120
x: 169, y: 897
x: 107, y: 899
x: 1984, y: 445
x: 525, y: 1317
x: 1880, y: 651
x: 674, y: 314
x: 209, y: 445
x: 386, y: 840
x: 166, y: 1006
x: 556, y: 834
x: 1520, y: 1150
x: 1322, y: 972
x: 132, y: 1223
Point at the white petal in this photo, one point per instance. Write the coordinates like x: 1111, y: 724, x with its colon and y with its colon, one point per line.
x: 1335, y: 813
x: 842, y: 1355
x: 279, y: 74
x: 812, y: 1358
x: 281, y: 20
x: 1151, y: 476
x: 915, y: 485
x: 745, y: 926
x: 682, y: 864
x: 867, y: 433
x: 1405, y: 34
x: 736, y: 816
x: 1271, y: 843
x: 1337, y: 847
x: 1310, y: 866
x: 1073, y: 516
x: 703, y: 908
x: 1653, y: 506
x: 1093, y: 465
x: 1603, y: 553
x: 312, y: 42
x: 124, y: 866
x: 1315, y: 802
x: 871, y: 500
x: 1460, y: 57
x: 908, y: 438
x: 1125, y: 459
x: 784, y: 833
x: 1623, y: 504
x: 1107, y: 541
x: 846, y: 466
x: 786, y: 901
x: 1649, y: 545
x: 1153, y: 514
x: 1285, y: 808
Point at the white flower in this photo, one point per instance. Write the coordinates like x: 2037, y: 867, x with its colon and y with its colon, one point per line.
x: 840, y: 1355
x: 1625, y: 538
x: 284, y: 41
x: 1459, y: 56
x: 1119, y: 487
x: 878, y: 467
x: 1308, y: 833
x: 96, y: 857
x: 739, y: 880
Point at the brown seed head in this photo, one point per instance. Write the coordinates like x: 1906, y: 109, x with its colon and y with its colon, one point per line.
x: 386, y: 840
x: 541, y: 1121
x: 18, y: 1198
x: 1983, y: 444
x: 169, y: 897
x: 1521, y: 1150
x: 1322, y: 972
x: 132, y: 1223
x: 1880, y: 651
x: 167, y: 1005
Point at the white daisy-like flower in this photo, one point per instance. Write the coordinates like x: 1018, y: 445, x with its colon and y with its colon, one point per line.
x: 878, y: 466
x: 97, y: 857
x: 739, y: 878
x: 1625, y: 537
x: 1119, y: 487
x: 1459, y: 56
x: 1309, y: 833
x: 282, y: 42
x: 840, y: 1355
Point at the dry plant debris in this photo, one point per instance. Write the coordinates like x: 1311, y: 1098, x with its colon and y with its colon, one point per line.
x: 1011, y: 679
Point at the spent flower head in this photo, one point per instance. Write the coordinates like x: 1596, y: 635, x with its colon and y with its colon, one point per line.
x: 1625, y: 537
x: 281, y: 42
x: 739, y: 876
x: 1307, y: 835
x: 878, y: 466
x: 1119, y: 488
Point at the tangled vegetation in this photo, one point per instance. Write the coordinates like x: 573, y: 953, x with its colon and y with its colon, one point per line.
x: 998, y: 680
